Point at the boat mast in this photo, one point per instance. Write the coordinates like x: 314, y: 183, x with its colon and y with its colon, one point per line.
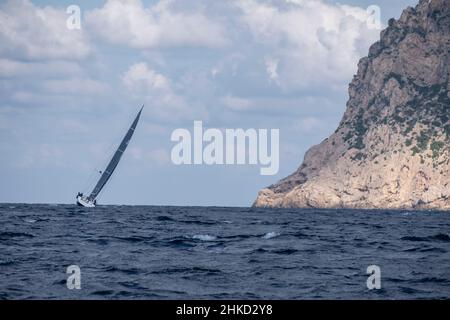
x: 115, y: 159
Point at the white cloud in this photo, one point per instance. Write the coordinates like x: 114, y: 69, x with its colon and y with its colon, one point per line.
x: 41, y: 60
x: 159, y: 157
x: 307, y: 124
x: 310, y: 42
x: 42, y: 155
x: 30, y: 32
x: 272, y: 68
x: 214, y: 72
x: 155, y: 90
x: 236, y: 103
x: 75, y: 126
x: 136, y: 153
x: 139, y: 78
x: 130, y: 23
x: 75, y: 86
x: 47, y: 69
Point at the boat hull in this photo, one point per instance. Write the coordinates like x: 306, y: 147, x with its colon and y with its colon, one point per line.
x: 83, y: 202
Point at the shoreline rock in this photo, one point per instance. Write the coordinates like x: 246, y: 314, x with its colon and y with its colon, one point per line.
x: 392, y: 147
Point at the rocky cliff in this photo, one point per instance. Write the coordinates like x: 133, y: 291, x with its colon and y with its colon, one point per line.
x: 392, y: 146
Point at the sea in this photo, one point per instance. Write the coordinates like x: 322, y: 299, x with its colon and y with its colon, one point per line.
x: 163, y: 252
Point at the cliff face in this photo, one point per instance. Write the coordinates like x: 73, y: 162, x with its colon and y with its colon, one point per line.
x: 392, y: 147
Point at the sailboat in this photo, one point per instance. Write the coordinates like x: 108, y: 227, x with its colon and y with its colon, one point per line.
x: 90, y: 201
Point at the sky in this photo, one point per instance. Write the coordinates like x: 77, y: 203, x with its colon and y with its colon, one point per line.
x: 67, y: 96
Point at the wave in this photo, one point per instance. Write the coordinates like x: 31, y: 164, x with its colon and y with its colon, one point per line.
x: 287, y: 251
x: 410, y: 290
x: 99, y: 241
x: 300, y: 235
x: 188, y: 270
x: 8, y: 235
x: 201, y: 222
x: 7, y: 262
x: 123, y: 270
x: 270, y: 235
x: 237, y: 237
x: 204, y: 237
x: 433, y: 280
x: 437, y: 237
x: 164, y: 218
x: 103, y: 292
x: 440, y: 237
x: 135, y: 238
x: 425, y: 249
x: 180, y: 242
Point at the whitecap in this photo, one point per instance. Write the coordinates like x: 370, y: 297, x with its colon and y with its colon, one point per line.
x: 204, y: 237
x: 30, y: 220
x: 270, y: 235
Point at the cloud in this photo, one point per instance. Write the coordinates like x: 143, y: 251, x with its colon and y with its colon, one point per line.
x: 272, y: 68
x: 307, y: 124
x: 145, y: 85
x: 43, y: 155
x: 159, y: 157
x: 26, y: 84
x: 131, y: 24
x: 49, y: 69
x: 75, y: 86
x: 30, y: 32
x: 236, y: 103
x: 42, y: 62
x: 140, y: 78
x: 308, y: 42
x: 74, y: 126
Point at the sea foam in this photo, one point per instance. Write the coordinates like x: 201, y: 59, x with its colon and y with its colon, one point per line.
x: 270, y: 235
x: 204, y: 237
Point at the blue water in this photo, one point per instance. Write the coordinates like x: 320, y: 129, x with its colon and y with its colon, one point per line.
x: 150, y: 252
